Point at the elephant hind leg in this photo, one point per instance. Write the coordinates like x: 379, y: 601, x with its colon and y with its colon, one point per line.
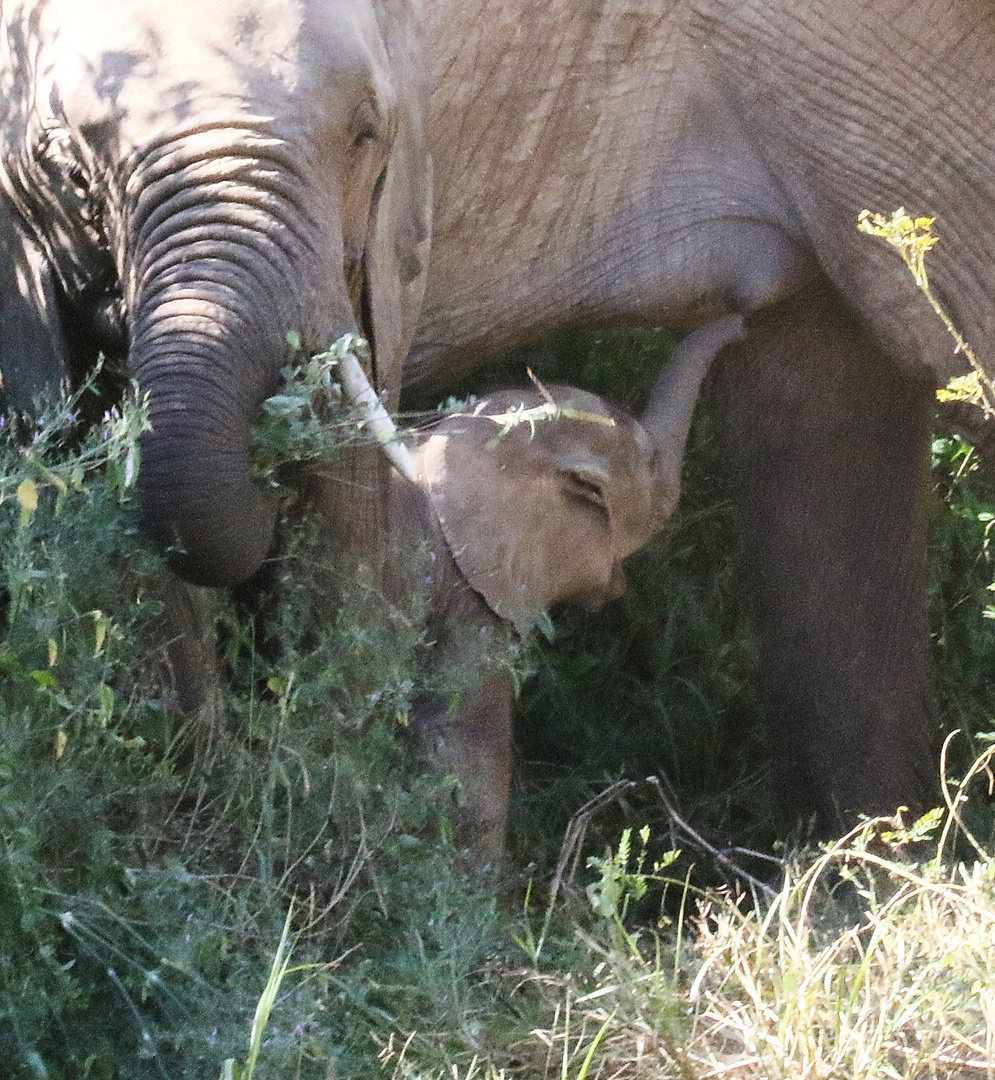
x: 826, y: 445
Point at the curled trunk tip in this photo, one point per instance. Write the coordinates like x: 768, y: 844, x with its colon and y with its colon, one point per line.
x: 667, y: 419
x: 200, y: 501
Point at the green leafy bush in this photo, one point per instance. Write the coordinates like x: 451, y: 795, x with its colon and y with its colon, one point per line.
x: 141, y: 892
x: 144, y: 890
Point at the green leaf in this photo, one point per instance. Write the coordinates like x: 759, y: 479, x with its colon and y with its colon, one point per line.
x: 44, y: 679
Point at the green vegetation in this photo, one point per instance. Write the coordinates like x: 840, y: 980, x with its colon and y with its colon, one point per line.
x: 282, y: 897
x: 142, y: 894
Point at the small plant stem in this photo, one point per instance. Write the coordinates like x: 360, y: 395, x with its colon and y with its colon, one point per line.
x: 267, y: 999
x: 952, y: 803
x: 914, y: 238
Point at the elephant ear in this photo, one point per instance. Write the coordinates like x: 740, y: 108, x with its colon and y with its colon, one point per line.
x: 537, y: 518
x: 32, y: 360
x: 399, y: 236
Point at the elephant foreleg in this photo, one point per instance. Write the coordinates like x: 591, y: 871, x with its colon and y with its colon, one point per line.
x: 32, y: 360
x: 185, y: 638
x: 827, y: 449
x: 472, y: 742
x: 464, y: 726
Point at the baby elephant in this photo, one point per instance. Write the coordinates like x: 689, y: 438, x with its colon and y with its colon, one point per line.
x: 518, y: 514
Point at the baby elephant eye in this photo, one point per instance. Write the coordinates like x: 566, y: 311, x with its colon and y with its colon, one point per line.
x: 584, y: 485
x: 367, y: 133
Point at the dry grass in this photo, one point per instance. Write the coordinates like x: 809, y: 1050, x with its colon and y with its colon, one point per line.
x: 907, y: 991
x: 865, y: 965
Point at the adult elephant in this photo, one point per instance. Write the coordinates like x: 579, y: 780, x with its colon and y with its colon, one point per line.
x: 613, y: 162
x: 190, y: 186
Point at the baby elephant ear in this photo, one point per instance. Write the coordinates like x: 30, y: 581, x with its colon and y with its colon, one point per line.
x: 529, y: 513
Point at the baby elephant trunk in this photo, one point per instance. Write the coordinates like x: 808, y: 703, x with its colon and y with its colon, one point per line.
x: 667, y: 419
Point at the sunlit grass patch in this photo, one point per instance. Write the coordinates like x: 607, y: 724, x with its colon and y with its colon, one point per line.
x: 142, y: 896
x: 907, y: 989
x: 863, y: 964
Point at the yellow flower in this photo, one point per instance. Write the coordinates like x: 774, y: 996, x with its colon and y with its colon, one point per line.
x: 914, y: 237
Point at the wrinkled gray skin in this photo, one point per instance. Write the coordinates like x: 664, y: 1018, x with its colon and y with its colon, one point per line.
x: 181, y: 185
x: 632, y: 161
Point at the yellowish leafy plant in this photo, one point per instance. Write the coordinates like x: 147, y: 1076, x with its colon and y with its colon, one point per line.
x: 913, y: 237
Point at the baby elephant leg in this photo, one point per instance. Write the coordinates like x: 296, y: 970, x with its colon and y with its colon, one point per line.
x: 473, y: 744
x: 464, y: 722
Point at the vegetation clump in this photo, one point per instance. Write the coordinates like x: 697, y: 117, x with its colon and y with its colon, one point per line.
x: 292, y: 904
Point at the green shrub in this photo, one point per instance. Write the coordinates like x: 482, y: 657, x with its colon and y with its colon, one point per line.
x: 143, y: 893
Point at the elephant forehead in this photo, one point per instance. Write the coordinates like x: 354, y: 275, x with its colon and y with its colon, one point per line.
x: 624, y: 445
x: 533, y: 397
x: 138, y: 40
x: 153, y: 66
x: 592, y: 423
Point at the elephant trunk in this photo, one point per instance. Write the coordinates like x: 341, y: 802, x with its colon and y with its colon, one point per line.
x: 198, y: 496
x: 667, y: 418
x: 222, y: 266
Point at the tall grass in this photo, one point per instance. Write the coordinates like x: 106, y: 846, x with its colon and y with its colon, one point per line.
x: 144, y: 892
x: 142, y: 896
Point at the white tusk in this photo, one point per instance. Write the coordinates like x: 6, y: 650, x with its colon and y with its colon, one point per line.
x: 359, y: 392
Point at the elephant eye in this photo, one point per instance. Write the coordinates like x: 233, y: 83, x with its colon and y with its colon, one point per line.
x: 367, y: 133
x: 365, y: 124
x: 583, y: 485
